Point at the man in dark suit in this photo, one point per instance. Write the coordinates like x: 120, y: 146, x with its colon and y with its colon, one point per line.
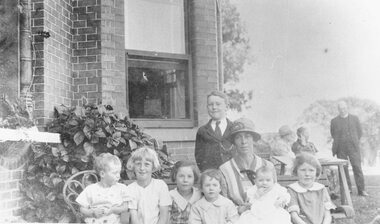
x: 346, y: 132
x: 212, y: 146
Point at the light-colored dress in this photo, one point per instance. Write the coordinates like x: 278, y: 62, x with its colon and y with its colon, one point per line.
x: 283, y: 148
x: 221, y: 211
x: 95, y: 195
x: 180, y: 208
x: 150, y: 199
x: 263, y: 209
x: 310, y: 204
x: 236, y: 182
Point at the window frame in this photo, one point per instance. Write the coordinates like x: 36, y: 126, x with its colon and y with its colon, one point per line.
x: 167, y: 123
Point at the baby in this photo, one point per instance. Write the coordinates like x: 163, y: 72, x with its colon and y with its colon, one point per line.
x: 267, y: 200
x: 105, y: 201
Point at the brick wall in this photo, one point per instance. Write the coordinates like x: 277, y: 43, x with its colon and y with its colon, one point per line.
x: 12, y: 162
x: 113, y: 54
x: 86, y: 58
x: 181, y: 150
x: 204, y: 48
x: 52, y: 64
x: 98, y: 53
x: 10, y: 195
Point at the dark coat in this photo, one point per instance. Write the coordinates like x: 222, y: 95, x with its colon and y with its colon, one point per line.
x: 336, y: 130
x: 212, y: 151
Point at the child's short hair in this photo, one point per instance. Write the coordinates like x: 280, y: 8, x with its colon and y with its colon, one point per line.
x: 144, y: 152
x: 309, y: 159
x: 214, y: 174
x: 103, y: 160
x: 268, y: 169
x: 184, y: 163
x: 300, y: 131
x: 221, y: 95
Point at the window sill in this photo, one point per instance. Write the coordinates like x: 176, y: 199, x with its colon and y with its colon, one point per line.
x: 172, y: 134
x: 164, y: 123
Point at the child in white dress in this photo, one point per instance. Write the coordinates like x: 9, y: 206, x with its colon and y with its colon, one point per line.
x: 152, y: 195
x: 310, y: 202
x: 267, y: 200
x: 105, y: 201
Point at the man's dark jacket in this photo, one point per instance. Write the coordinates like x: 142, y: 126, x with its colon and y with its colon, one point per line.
x: 210, y: 150
x: 337, y: 129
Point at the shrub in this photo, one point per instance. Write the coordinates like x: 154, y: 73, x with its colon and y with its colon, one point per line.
x: 85, y: 132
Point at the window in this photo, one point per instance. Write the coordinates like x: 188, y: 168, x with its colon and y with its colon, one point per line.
x: 155, y: 25
x: 158, y: 63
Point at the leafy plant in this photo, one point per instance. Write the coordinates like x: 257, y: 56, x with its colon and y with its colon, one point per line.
x: 14, y: 115
x: 85, y: 132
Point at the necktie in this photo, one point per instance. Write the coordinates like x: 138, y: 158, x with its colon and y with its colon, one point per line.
x: 218, y: 132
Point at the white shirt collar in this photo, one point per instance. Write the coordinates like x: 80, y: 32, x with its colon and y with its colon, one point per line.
x: 298, y: 188
x: 181, y: 201
x: 222, y: 125
x: 206, y: 205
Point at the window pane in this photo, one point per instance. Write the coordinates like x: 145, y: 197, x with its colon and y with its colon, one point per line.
x: 158, y: 89
x: 155, y: 25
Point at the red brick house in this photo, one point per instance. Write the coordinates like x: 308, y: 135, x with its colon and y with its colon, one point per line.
x: 155, y: 59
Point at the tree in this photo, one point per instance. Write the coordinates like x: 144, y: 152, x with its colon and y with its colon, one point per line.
x: 235, y: 52
x: 321, y: 112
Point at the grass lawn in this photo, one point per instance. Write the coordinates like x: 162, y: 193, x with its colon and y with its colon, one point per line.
x: 366, y: 208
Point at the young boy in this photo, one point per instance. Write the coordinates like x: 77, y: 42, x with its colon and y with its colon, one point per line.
x: 105, y: 201
x: 212, y: 146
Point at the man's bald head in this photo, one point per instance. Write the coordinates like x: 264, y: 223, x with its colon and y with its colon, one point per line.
x: 342, y: 108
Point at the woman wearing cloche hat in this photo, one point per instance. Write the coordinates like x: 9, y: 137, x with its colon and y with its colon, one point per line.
x: 239, y: 170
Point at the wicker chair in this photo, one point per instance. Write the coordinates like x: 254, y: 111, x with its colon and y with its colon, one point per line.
x: 74, y: 186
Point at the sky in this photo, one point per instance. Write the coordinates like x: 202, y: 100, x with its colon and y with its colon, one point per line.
x: 308, y: 50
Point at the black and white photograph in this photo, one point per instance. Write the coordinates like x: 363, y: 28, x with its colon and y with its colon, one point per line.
x: 190, y: 111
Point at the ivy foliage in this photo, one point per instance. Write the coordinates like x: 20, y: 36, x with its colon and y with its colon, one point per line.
x: 85, y: 132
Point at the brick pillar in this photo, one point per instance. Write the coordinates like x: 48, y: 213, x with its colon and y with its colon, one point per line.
x: 204, y: 49
x: 52, y: 64
x: 98, y: 53
x: 86, y: 58
x: 113, y: 54
x: 12, y: 160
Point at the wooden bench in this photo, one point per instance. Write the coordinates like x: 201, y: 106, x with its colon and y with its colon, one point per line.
x: 76, y: 183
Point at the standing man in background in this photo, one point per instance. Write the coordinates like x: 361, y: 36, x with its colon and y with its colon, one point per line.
x: 346, y: 132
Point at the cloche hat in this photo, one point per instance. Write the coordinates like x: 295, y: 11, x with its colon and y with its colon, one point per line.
x: 244, y: 125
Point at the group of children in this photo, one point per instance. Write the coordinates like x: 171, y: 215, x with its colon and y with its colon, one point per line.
x: 149, y: 201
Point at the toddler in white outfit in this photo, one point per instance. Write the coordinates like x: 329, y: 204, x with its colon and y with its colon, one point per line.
x: 267, y: 200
